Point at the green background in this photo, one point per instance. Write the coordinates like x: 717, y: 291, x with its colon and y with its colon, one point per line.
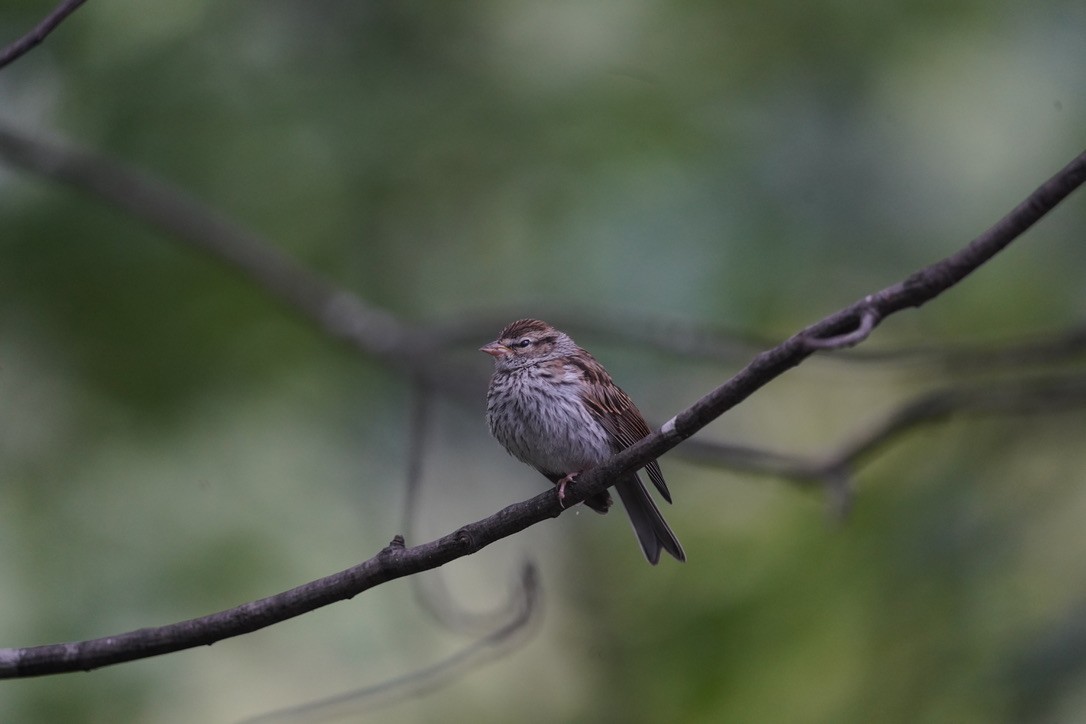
x: 173, y: 442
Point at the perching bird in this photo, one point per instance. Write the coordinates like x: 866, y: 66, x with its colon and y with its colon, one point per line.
x: 553, y: 406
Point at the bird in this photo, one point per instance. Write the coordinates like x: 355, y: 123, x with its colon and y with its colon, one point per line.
x: 553, y: 406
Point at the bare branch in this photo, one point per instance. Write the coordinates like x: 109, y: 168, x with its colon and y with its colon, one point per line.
x: 396, y: 561
x: 23, y: 45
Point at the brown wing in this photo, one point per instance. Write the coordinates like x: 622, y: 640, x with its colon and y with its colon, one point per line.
x: 617, y: 413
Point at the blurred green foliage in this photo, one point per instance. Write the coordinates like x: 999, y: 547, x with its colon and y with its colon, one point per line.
x: 173, y: 443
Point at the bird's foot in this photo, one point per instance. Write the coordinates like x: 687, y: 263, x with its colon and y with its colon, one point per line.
x: 568, y: 479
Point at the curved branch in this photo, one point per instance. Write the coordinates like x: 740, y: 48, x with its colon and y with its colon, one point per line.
x: 397, y: 561
x: 23, y: 45
x: 869, y: 319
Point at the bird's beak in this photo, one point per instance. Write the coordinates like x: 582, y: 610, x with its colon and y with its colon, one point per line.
x: 494, y: 349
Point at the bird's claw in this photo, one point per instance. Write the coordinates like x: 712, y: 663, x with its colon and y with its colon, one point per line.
x: 562, y: 486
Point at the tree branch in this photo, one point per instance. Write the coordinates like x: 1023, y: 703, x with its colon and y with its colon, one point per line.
x: 396, y: 561
x: 34, y: 38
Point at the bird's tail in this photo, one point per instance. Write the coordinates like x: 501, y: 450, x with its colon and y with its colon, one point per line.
x: 652, y: 530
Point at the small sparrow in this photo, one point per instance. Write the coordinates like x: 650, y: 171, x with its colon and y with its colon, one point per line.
x: 553, y: 406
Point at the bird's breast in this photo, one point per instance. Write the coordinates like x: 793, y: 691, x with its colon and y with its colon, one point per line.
x: 538, y: 416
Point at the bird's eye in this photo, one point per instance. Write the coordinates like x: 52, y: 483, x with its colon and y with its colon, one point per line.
x: 524, y: 343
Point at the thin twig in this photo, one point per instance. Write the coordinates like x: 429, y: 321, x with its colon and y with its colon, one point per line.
x: 23, y: 45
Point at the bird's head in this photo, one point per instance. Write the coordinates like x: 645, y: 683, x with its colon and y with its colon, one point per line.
x: 528, y: 341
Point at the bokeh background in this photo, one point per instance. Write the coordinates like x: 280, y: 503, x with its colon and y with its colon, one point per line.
x: 173, y: 442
